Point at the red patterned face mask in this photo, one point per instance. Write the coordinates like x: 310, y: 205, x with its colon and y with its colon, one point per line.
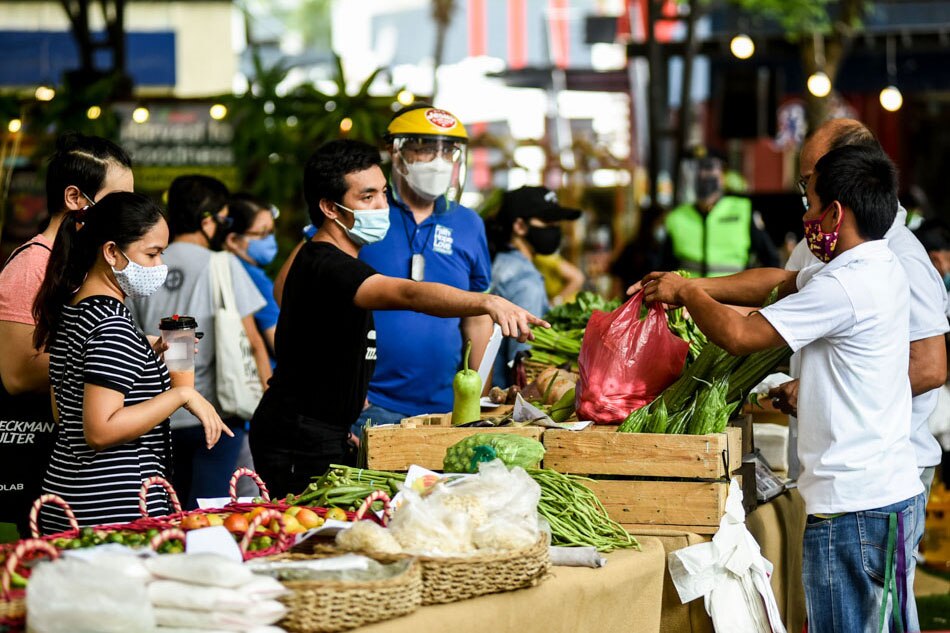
x: 821, y: 244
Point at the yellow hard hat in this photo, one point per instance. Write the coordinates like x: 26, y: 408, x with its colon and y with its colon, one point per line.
x: 424, y: 120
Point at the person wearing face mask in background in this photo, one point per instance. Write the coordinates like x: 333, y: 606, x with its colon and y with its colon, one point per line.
x: 198, y: 221
x: 717, y: 234
x: 251, y: 238
x: 527, y: 224
x: 81, y: 171
x: 326, y: 338
x: 112, y: 394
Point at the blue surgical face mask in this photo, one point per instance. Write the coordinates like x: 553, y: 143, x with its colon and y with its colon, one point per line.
x: 369, y: 226
x: 262, y: 250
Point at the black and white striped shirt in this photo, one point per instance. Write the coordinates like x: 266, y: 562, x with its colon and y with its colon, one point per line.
x: 97, y: 343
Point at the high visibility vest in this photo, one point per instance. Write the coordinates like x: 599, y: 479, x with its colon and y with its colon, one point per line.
x: 714, y: 244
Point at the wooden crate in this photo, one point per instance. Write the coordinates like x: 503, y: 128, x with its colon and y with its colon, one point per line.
x: 694, y: 469
x: 398, y: 447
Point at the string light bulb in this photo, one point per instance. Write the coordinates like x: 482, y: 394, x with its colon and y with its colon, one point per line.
x: 891, y: 99
x: 742, y: 46
x: 819, y: 84
x: 140, y: 114
x: 14, y: 126
x: 346, y: 125
x: 218, y: 111
x: 405, y: 98
x: 44, y: 93
x: 93, y: 113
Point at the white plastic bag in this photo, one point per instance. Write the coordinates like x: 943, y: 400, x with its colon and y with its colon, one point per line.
x: 70, y: 595
x: 181, y: 595
x: 263, y: 588
x: 424, y: 525
x: 200, y: 569
x: 257, y: 614
x: 730, y: 574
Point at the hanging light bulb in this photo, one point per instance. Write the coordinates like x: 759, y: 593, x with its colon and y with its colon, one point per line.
x: 93, y: 113
x: 140, y: 114
x: 819, y: 84
x: 14, y: 126
x: 346, y: 125
x: 742, y: 46
x: 891, y: 99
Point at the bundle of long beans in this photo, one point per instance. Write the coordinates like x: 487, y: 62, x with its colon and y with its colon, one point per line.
x: 575, y: 514
x: 346, y: 487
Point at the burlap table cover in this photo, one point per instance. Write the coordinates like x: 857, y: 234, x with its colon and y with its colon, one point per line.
x: 625, y: 595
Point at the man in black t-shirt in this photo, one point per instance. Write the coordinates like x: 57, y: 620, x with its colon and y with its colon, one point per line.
x: 325, y: 341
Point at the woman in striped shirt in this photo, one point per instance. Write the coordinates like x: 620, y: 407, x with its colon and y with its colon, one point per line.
x: 111, y: 392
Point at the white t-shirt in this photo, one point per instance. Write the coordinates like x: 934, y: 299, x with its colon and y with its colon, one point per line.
x: 928, y: 317
x: 854, y: 398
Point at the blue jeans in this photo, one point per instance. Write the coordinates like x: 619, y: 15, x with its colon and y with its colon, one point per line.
x: 843, y: 564
x: 378, y: 415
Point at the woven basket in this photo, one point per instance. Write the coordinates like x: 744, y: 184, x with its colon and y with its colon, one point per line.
x: 533, y: 369
x: 13, y: 601
x: 450, y: 579
x: 328, y: 606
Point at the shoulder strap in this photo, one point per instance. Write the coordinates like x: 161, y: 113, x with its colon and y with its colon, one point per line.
x: 22, y: 248
x: 221, y: 284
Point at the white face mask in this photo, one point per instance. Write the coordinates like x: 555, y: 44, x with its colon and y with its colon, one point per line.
x: 369, y: 225
x: 136, y: 280
x: 430, y: 180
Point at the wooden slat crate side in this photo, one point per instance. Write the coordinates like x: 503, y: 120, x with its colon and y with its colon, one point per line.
x: 680, y: 503
x: 642, y: 454
x: 643, y: 529
x: 734, y: 442
x: 397, y: 448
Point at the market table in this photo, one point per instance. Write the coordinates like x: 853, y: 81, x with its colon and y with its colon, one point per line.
x: 778, y: 527
x: 625, y: 595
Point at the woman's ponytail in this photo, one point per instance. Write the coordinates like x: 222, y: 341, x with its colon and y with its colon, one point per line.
x: 71, y: 258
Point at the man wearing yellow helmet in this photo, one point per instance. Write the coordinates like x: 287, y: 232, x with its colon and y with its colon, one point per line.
x: 432, y: 238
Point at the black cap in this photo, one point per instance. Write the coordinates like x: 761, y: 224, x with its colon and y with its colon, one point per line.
x: 534, y: 202
x: 178, y: 322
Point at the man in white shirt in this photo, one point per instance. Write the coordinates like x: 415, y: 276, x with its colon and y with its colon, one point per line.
x: 928, y: 306
x: 859, y: 478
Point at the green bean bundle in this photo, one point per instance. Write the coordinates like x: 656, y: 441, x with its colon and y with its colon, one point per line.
x: 575, y: 514
x: 346, y: 487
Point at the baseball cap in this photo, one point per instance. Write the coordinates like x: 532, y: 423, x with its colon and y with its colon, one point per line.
x: 534, y: 202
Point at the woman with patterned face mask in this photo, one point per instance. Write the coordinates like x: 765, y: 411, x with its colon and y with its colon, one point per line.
x: 111, y: 391
x: 251, y: 238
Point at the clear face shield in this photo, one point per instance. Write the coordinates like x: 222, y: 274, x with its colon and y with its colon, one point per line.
x: 431, y: 166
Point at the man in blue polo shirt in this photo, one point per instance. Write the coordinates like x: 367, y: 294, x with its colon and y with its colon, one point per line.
x: 431, y: 238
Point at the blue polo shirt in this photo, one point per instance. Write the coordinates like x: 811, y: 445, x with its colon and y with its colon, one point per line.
x: 417, y: 354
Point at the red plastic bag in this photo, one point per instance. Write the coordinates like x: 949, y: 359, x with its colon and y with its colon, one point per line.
x: 625, y: 361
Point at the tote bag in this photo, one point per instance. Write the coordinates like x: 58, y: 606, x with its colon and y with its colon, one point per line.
x: 239, y: 385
